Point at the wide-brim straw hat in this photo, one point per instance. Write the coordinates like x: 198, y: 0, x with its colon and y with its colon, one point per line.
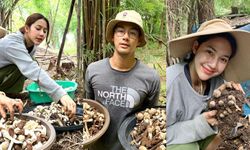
x: 130, y: 16
x: 3, y: 32
x: 238, y: 68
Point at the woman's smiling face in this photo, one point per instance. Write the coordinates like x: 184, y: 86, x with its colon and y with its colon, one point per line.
x: 211, y: 57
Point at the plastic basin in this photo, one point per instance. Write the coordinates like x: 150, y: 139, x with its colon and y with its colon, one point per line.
x: 38, y: 96
x: 124, y: 133
x: 126, y: 127
x: 99, y: 134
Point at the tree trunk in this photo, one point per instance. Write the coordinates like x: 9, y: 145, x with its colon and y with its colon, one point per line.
x: 5, y: 13
x: 173, y: 25
x: 205, y: 10
x: 163, y: 18
x: 192, y: 17
x: 7, y: 16
x: 103, y: 28
x: 64, y: 35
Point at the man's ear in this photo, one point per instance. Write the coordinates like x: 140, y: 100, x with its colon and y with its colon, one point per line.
x: 195, y: 46
x: 139, y: 42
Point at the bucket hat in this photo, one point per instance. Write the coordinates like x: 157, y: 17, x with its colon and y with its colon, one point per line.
x: 130, y: 16
x: 2, y: 32
x: 238, y: 68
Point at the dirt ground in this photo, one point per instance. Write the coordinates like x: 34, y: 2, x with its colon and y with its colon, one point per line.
x: 228, y: 102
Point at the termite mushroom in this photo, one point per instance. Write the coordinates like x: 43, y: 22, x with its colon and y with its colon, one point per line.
x: 233, y: 102
x: 212, y: 104
x: 150, y: 130
x: 142, y: 148
x: 231, y: 97
x: 222, y: 115
x: 225, y: 112
x: 217, y: 93
x: 221, y: 103
x: 229, y: 85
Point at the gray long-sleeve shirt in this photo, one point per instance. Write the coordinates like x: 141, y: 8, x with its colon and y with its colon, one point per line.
x: 185, y: 122
x: 13, y: 51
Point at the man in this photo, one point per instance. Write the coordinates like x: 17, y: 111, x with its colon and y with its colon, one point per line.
x: 122, y: 83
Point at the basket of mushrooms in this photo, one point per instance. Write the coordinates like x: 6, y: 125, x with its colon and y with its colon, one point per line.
x: 26, y: 132
x: 96, y: 121
x: 145, y: 130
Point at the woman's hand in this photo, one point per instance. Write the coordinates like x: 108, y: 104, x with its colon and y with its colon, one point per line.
x: 69, y: 105
x: 11, y: 105
x: 210, y: 117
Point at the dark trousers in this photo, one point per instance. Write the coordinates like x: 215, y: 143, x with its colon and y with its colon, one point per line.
x: 11, y: 79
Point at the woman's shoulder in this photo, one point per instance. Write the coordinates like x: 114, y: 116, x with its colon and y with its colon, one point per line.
x: 14, y: 38
x: 12, y: 41
x: 175, y: 74
x: 176, y: 67
x: 175, y: 70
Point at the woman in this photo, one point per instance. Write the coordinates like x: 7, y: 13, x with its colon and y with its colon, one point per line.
x: 16, y: 63
x: 215, y: 51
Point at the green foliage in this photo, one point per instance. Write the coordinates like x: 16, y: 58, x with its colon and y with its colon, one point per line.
x: 108, y: 49
x: 5, y: 4
x: 151, y: 11
x: 154, y: 57
x: 46, y: 7
x: 223, y: 7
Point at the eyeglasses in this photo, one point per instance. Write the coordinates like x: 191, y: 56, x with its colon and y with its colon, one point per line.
x: 133, y: 33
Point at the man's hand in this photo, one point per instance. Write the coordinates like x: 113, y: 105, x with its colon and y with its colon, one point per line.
x: 69, y: 105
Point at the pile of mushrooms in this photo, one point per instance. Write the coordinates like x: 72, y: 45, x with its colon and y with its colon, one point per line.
x: 22, y: 134
x: 150, y: 130
x: 233, y: 127
x: 93, y: 121
x: 226, y: 99
x: 55, y: 115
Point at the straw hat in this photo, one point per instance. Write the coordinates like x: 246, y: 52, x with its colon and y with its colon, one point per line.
x: 3, y: 32
x: 126, y: 16
x: 238, y: 68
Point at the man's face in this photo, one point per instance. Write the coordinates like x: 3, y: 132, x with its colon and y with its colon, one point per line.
x: 126, y: 38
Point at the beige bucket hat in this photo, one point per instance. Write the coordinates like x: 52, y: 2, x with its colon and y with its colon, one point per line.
x: 126, y: 16
x: 238, y: 68
x: 3, y: 32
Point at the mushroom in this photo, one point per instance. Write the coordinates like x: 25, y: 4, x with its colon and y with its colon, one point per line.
x: 4, y: 145
x: 142, y: 148
x: 7, y: 136
x: 33, y: 137
x: 150, y: 130
x: 229, y: 85
x: 221, y: 103
x: 139, y: 116
x: 231, y: 97
x: 12, y: 139
x: 212, y: 104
